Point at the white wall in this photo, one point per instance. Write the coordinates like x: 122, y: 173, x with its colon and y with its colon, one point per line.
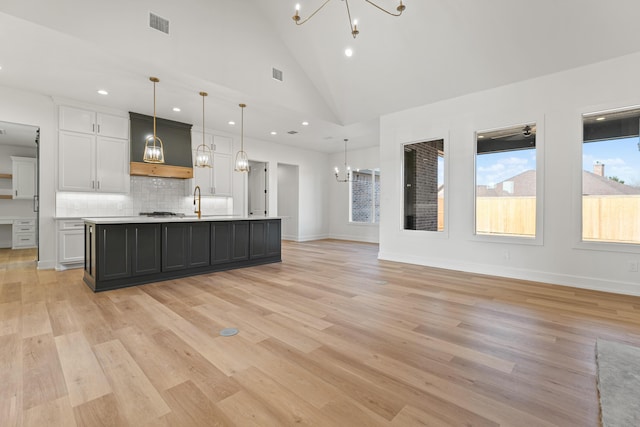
x: 29, y: 108
x: 340, y: 227
x: 312, y: 184
x: 556, y: 102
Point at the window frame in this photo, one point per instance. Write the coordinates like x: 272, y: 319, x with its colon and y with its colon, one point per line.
x: 579, y: 243
x: 538, y: 239
x: 373, y: 173
x: 444, y: 233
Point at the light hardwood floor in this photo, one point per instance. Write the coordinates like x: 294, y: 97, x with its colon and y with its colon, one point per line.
x: 329, y: 337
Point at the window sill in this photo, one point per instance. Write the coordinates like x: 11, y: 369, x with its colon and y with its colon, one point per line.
x: 364, y: 224
x: 608, y: 247
x: 515, y: 240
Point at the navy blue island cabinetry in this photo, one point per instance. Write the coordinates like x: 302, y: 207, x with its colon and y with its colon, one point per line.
x: 121, y: 252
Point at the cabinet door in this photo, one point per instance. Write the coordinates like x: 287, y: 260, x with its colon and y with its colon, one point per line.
x: 258, y: 239
x: 24, y: 177
x: 145, y: 251
x: 273, y: 237
x: 112, y: 165
x: 76, y: 162
x: 70, y: 246
x: 240, y: 240
x: 174, y: 246
x: 114, y: 261
x: 222, y: 174
x: 199, y: 244
x: 221, y: 248
x: 113, y: 126
x: 222, y: 144
x: 203, y: 177
x: 77, y: 120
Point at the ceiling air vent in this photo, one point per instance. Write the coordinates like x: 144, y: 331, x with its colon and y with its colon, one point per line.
x: 159, y: 23
x: 292, y: 132
x: 277, y: 74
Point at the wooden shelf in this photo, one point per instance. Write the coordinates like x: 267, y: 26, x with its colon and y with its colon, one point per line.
x: 6, y: 176
x: 5, y: 196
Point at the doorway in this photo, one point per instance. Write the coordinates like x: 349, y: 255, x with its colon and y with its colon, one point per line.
x: 19, y: 187
x: 258, y: 188
x: 288, y: 177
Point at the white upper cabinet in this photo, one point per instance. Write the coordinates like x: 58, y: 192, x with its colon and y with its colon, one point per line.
x: 222, y: 144
x: 77, y: 120
x: 85, y: 121
x: 216, y: 181
x: 93, y: 151
x: 24, y: 177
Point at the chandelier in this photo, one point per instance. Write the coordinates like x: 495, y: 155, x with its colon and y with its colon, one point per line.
x: 346, y: 168
x: 352, y: 23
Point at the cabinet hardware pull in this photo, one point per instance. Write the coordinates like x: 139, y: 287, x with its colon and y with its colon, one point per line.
x: 98, y: 184
x: 98, y: 128
x: 93, y: 127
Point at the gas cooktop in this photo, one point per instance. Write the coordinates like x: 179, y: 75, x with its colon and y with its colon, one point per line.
x: 161, y: 214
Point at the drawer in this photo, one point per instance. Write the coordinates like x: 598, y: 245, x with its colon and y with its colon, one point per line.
x: 24, y: 228
x: 71, y: 224
x: 31, y: 222
x: 24, y: 240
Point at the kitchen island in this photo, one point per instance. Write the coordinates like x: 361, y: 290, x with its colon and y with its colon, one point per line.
x: 128, y: 251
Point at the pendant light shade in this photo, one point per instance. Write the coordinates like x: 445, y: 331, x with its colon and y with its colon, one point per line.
x: 204, y: 155
x: 153, y: 148
x: 242, y: 161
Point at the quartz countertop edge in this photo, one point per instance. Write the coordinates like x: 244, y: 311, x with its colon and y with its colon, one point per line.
x: 162, y: 219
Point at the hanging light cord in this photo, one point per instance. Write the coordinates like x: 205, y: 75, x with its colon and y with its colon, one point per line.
x: 154, y: 112
x: 242, y: 127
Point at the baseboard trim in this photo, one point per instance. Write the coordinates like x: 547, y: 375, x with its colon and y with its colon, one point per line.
x: 46, y: 265
x: 581, y: 282
x: 354, y: 238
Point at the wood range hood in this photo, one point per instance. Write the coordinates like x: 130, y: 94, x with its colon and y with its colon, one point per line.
x: 176, y: 139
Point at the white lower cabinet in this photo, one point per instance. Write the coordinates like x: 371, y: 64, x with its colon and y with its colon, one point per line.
x: 23, y: 233
x: 70, y: 243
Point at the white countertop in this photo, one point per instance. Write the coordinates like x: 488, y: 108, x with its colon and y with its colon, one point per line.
x: 161, y: 219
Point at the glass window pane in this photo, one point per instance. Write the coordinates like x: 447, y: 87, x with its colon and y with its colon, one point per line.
x: 611, y: 177
x: 424, y: 186
x: 506, y: 181
x: 361, y: 196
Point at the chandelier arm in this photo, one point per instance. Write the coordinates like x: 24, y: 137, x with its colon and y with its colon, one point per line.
x: 302, y: 21
x: 354, y: 33
x: 385, y: 10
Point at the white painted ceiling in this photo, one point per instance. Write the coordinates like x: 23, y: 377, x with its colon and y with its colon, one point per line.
x: 437, y: 49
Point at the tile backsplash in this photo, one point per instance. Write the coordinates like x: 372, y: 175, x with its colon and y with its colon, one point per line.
x: 147, y: 194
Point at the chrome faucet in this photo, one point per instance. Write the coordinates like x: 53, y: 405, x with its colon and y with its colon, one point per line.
x: 199, y: 210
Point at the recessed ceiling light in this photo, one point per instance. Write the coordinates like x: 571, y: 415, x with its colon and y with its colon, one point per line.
x: 273, y: 132
x: 176, y: 109
x: 305, y: 123
x: 601, y: 119
x: 480, y: 136
x: 103, y: 92
x: 232, y: 123
x: 0, y: 67
x: 348, y: 52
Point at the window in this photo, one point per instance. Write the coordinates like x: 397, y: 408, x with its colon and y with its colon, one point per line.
x: 424, y: 186
x: 365, y: 196
x: 611, y: 177
x: 506, y: 182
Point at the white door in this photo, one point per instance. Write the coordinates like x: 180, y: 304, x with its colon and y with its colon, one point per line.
x: 77, y: 120
x: 257, y: 189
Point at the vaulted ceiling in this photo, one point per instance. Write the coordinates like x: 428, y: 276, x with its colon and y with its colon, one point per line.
x: 437, y: 49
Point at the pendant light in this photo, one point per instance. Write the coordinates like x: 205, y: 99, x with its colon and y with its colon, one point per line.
x: 242, y: 161
x: 204, y: 156
x: 346, y: 168
x: 153, y: 148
